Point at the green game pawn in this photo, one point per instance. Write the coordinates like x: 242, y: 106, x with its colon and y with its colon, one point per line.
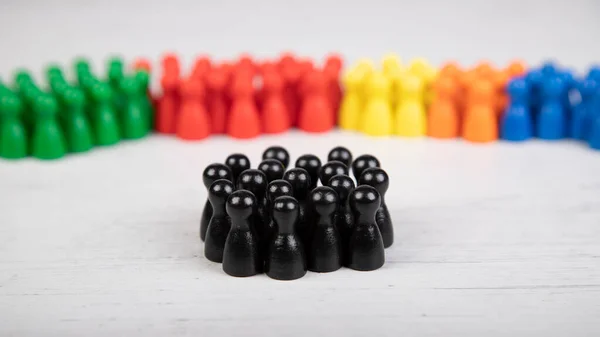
x: 104, y: 122
x: 115, y: 76
x: 76, y: 126
x: 134, y: 120
x: 48, y: 141
x: 13, y: 138
x: 143, y: 79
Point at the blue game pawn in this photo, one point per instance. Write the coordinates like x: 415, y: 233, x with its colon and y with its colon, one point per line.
x: 516, y: 123
x: 534, y: 79
x: 594, y: 72
x: 549, y: 69
x: 570, y: 84
x: 594, y: 139
x: 551, y: 119
x: 582, y: 116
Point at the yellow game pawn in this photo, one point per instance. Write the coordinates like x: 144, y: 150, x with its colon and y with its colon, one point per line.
x: 393, y: 70
x: 377, y: 118
x: 410, y: 117
x: 364, y: 68
x: 427, y: 73
x: 350, y: 107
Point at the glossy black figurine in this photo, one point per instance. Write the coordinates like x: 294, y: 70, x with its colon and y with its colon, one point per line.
x: 241, y: 256
x: 220, y: 223
x: 279, y: 153
x: 277, y: 188
x: 330, y: 169
x: 212, y: 173
x: 365, y: 246
x: 238, y: 163
x: 341, y: 154
x: 286, y: 259
x: 312, y: 165
x: 325, y: 250
x: 272, y: 168
x: 343, y: 185
x: 300, y: 181
x: 379, y: 179
x: 255, y: 181
x: 362, y: 163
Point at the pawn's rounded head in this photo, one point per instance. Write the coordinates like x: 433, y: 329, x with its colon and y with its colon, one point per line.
x: 342, y: 184
x: 516, y: 68
x: 10, y: 105
x: 300, y: 181
x: 22, y: 76
x: 219, y: 191
x: 411, y: 84
x: 254, y: 181
x: 53, y: 70
x: 391, y: 61
x: 352, y: 80
x: 554, y: 86
x: 238, y: 163
x: 240, y: 204
x: 375, y: 177
x: 74, y: 97
x: 45, y: 105
x: 192, y: 88
x: 484, y: 68
x: 169, y: 81
x: 278, y: 188
x: 129, y: 86
x: 324, y: 199
x: 330, y: 169
x: 340, y: 154
x: 279, y: 153
x: 272, y: 168
x: 378, y: 85
x: 362, y: 163
x: 588, y: 86
x: 115, y: 71
x: 451, y: 69
x: 594, y: 72
x: 445, y: 86
x: 285, y: 208
x: 312, y: 165
x: 534, y: 77
x: 481, y: 91
x: 549, y: 68
x: 365, y: 200
x: 517, y: 87
x: 215, y: 172
x: 101, y: 92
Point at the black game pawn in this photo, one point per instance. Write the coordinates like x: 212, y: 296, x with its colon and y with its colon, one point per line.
x: 342, y: 154
x: 300, y: 181
x: 365, y: 246
x: 279, y: 153
x: 312, y: 165
x: 220, y: 222
x: 277, y: 188
x: 211, y: 173
x: 286, y: 259
x: 343, y: 185
x: 362, y: 163
x: 272, y: 168
x: 379, y: 179
x: 325, y: 251
x: 330, y: 169
x: 255, y: 181
x: 238, y: 163
x: 241, y: 256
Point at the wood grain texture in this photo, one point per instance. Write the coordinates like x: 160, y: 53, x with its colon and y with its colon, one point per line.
x: 491, y: 240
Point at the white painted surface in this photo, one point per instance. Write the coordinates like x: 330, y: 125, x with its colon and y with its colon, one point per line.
x: 491, y: 240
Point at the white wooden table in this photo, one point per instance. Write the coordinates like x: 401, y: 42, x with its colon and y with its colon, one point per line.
x: 491, y: 240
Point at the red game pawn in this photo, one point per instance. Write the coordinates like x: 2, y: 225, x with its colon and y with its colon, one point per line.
x: 170, y: 64
x: 316, y: 115
x: 216, y: 102
x: 291, y: 77
x: 168, y: 104
x: 244, y: 121
x: 333, y: 67
x: 202, y: 65
x: 285, y: 60
x: 245, y: 65
x: 193, y: 122
x: 275, y: 118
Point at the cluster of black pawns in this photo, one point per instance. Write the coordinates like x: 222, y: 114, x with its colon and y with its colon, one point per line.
x: 277, y: 221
